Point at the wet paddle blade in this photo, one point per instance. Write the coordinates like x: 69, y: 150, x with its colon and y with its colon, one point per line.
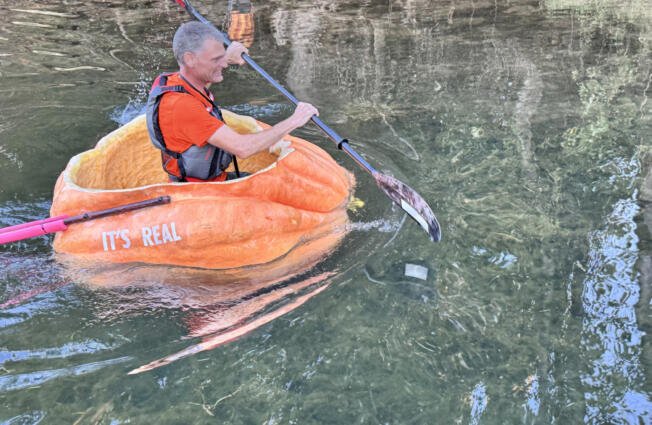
x: 411, y: 202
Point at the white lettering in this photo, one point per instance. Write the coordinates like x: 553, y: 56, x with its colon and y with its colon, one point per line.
x: 124, y: 234
x: 112, y: 239
x: 174, y: 232
x: 147, y: 237
x: 165, y: 233
x: 156, y: 235
x: 152, y: 235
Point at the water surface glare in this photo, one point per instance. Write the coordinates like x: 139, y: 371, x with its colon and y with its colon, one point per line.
x: 526, y: 125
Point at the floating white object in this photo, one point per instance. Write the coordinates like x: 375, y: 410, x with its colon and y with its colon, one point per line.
x: 417, y: 271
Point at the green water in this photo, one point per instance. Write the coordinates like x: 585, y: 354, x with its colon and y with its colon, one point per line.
x: 526, y: 125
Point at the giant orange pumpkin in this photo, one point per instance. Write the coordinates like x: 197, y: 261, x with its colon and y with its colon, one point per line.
x: 296, y: 197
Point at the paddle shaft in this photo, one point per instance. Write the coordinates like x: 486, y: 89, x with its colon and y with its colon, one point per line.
x: 59, y: 223
x: 341, y: 143
x: 400, y: 193
x: 117, y: 210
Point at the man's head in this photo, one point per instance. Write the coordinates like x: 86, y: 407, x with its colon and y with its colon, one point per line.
x: 199, y: 50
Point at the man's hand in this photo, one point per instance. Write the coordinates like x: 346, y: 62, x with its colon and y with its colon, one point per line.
x: 245, y: 145
x: 303, y: 113
x: 234, y: 53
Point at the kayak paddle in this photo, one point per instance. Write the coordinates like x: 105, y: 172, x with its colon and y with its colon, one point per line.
x: 400, y: 193
x: 59, y: 223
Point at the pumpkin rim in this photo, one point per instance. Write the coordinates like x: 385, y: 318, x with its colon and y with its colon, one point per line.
x: 282, y: 145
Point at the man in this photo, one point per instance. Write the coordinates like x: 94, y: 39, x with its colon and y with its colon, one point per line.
x: 183, y: 120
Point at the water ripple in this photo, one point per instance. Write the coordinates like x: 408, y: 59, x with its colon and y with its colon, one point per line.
x: 611, y: 335
x: 32, y: 418
x: 26, y: 380
x: 67, y: 350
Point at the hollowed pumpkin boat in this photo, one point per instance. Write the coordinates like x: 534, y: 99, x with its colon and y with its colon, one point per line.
x: 295, y: 197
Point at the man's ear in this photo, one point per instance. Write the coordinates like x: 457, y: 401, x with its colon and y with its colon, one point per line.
x: 189, y: 59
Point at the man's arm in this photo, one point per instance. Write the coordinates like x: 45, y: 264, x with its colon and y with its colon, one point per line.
x: 245, y: 145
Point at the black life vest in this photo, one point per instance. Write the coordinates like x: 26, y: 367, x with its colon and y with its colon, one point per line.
x: 205, y: 162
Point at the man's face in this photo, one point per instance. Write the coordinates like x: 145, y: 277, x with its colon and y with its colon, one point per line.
x: 208, y: 63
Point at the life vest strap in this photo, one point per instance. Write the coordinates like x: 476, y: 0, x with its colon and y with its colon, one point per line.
x: 190, y: 162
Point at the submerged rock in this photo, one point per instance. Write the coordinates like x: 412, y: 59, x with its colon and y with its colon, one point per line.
x: 477, y: 132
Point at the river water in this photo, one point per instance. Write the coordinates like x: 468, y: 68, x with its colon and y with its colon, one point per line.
x: 527, y: 125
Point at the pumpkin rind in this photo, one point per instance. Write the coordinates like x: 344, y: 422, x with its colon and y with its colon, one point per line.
x: 300, y: 196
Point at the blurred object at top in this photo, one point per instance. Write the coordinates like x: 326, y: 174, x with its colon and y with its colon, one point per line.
x: 241, y: 23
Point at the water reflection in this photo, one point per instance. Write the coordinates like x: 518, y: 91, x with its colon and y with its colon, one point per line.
x: 241, y: 22
x: 32, y: 418
x: 218, y: 324
x: 26, y: 380
x: 610, y: 335
x: 221, y: 305
x: 479, y: 402
x: 66, y: 350
x: 216, y: 306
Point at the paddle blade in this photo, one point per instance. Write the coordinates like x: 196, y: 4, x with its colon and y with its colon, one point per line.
x: 411, y: 202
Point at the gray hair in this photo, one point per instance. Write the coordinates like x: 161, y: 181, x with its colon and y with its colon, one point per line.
x: 190, y: 37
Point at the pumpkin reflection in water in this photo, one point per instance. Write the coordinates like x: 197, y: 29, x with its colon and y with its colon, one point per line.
x: 241, y: 23
x: 217, y: 305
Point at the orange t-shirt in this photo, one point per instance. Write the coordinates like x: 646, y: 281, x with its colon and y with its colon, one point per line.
x: 185, y: 120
